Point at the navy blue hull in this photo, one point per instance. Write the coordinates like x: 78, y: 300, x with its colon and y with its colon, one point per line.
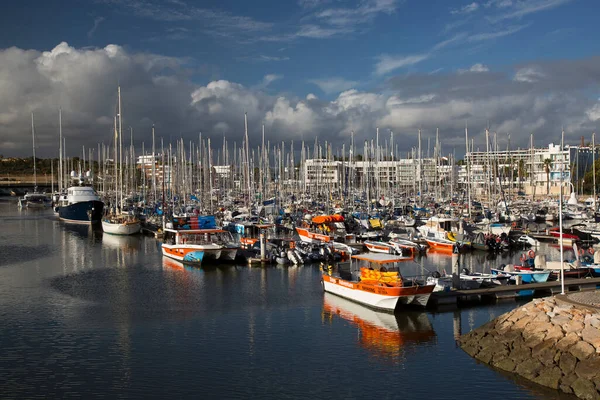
x: 86, y: 212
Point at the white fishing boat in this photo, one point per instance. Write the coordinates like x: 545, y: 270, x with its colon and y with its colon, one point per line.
x: 378, y: 284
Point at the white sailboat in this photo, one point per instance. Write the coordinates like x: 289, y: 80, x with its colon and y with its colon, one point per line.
x: 114, y: 222
x: 35, y: 199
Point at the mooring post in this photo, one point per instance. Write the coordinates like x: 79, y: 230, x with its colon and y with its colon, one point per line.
x: 455, y: 271
x: 262, y: 246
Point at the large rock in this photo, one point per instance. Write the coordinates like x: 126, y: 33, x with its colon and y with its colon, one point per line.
x: 549, y: 377
x: 573, y: 326
x: 582, y: 350
x: 591, y: 335
x: 568, y: 341
x: 585, y: 389
x: 567, y: 363
x: 588, y: 369
x: 560, y: 320
x: 506, y: 364
x: 529, y: 368
x: 554, y: 334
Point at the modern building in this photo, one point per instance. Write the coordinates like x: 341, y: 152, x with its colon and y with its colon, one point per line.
x: 534, y: 171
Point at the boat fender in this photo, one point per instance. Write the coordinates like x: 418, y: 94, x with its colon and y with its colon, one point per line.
x: 436, y: 274
x: 591, y: 250
x: 531, y: 254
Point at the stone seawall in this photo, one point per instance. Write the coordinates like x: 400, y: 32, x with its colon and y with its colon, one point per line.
x: 548, y: 341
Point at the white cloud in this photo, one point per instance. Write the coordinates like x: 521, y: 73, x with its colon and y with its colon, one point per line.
x: 467, y: 9
x: 498, y: 3
x: 475, y: 68
x: 388, y: 63
x: 528, y: 74
x: 478, y: 37
x: 333, y: 85
x: 157, y: 90
x: 519, y: 9
x: 267, y: 80
x: 97, y: 22
x: 593, y: 113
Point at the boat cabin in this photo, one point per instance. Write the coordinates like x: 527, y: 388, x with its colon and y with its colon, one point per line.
x: 77, y: 194
x: 371, y: 268
x: 196, y: 236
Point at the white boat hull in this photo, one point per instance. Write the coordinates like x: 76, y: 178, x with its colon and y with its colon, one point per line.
x: 387, y: 303
x: 129, y: 228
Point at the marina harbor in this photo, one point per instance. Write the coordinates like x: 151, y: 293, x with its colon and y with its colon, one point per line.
x: 307, y: 199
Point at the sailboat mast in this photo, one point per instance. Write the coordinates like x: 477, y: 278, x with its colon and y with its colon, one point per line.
x: 594, y: 167
x: 153, y: 166
x: 34, y: 170
x: 419, y: 176
x: 115, y: 163
x: 247, y: 156
x: 60, y: 152
x: 120, y: 148
x: 560, y: 219
x: 468, y: 170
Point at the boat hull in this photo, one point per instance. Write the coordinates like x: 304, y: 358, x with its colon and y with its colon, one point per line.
x: 382, y: 298
x: 379, y: 247
x: 85, y: 212
x: 228, y: 254
x: 441, y: 246
x: 312, y: 237
x: 125, y: 228
x: 183, y: 253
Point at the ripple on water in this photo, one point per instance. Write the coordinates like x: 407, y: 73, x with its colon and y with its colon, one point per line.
x: 13, y: 254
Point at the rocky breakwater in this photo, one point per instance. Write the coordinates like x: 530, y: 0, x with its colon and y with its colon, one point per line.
x: 549, y: 341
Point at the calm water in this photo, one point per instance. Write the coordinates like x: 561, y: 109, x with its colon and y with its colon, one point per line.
x: 91, y: 315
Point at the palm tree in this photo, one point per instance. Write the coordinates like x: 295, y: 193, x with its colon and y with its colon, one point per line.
x: 547, y: 166
x: 521, y: 172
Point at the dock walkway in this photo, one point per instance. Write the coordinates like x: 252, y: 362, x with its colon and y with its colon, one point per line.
x: 514, y: 291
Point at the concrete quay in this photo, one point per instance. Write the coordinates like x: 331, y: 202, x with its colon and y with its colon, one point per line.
x: 553, y: 341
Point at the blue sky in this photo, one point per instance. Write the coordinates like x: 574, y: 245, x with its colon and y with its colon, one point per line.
x: 362, y: 64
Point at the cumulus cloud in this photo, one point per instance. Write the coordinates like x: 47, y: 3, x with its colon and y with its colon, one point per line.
x: 535, y: 97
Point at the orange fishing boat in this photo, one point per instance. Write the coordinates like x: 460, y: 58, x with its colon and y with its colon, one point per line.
x: 378, y: 283
x: 325, y: 229
x: 441, y: 244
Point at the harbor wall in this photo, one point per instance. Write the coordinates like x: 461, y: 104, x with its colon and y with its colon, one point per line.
x: 552, y: 342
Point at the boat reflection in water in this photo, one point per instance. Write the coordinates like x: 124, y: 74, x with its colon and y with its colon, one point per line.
x: 130, y: 242
x: 382, y: 334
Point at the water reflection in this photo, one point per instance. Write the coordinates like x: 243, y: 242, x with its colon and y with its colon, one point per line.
x: 383, y: 335
x: 126, y: 243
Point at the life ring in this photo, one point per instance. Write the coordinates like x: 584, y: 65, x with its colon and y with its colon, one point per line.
x: 531, y: 254
x: 591, y: 251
